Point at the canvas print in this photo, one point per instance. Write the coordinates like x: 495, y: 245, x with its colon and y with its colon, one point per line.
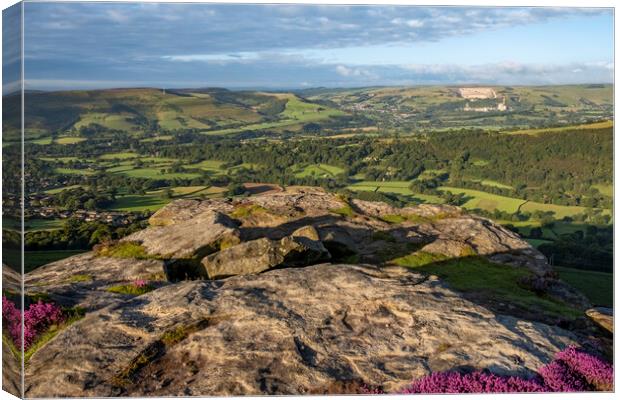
x: 211, y: 199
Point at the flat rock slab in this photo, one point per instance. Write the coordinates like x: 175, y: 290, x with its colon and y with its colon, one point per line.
x: 187, y: 238
x: 287, y: 331
x: 81, y: 280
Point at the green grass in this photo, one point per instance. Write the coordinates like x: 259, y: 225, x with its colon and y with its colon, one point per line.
x: 125, y: 250
x: 597, y: 286
x: 496, y: 282
x: 537, y: 242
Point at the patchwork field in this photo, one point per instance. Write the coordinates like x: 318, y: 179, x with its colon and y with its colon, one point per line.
x: 154, y: 200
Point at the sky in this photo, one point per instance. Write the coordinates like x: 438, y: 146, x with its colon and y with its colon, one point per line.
x: 102, y: 45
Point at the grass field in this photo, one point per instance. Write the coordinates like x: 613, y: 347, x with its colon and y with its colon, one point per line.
x: 560, y: 211
x: 59, y: 159
x: 39, y: 224
x: 139, y: 203
x: 69, y: 140
x: 34, y: 259
x: 490, y: 202
x: 295, y: 112
x: 597, y: 286
x: 157, y: 138
x: 535, y: 132
x: 120, y: 156
x: 486, y: 201
x: 72, y: 171
x: 111, y: 121
x: 155, y: 173
x: 488, y: 182
x: 155, y: 200
x: 318, y: 170
x: 209, y: 165
x: 60, y: 189
x: 395, y: 187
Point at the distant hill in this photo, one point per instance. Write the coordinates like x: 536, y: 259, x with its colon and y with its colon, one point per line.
x: 140, y: 109
x: 221, y: 111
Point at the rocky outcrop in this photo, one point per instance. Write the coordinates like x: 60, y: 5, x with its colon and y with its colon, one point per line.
x: 286, y: 331
x: 244, y: 303
x: 302, y: 248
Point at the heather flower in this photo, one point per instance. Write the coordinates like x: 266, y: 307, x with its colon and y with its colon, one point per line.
x: 140, y: 283
x: 595, y: 371
x: 37, y: 319
x: 560, y: 378
x: 570, y: 371
x: 475, y: 382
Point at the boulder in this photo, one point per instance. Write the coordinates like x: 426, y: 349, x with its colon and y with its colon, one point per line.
x: 300, y: 249
x: 286, y: 331
x: 188, y: 238
x: 603, y: 317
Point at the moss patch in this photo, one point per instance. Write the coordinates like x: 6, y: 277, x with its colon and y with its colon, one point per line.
x: 247, y: 210
x: 393, y: 218
x: 130, y: 289
x: 418, y: 259
x: 80, y: 278
x: 124, y: 250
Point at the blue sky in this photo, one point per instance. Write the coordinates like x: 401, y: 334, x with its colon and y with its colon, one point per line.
x: 95, y: 45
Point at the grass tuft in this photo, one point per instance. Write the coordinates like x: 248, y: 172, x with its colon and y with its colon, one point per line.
x: 247, y: 210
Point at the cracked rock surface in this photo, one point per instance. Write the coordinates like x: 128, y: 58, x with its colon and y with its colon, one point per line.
x: 287, y: 331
